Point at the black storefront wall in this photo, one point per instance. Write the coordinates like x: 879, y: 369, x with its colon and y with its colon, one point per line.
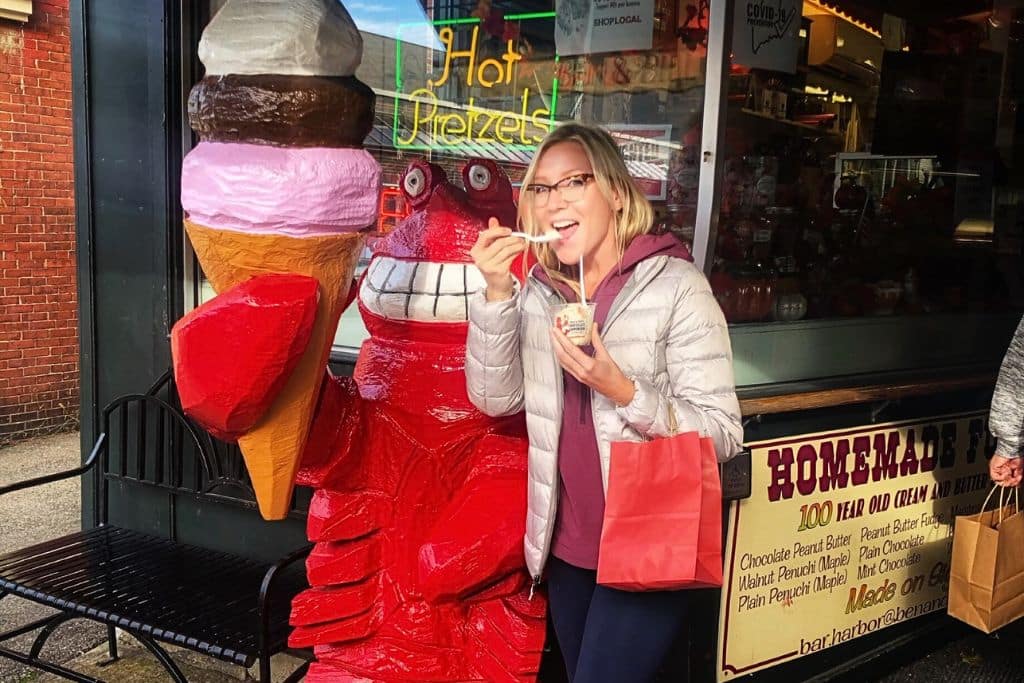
x: 123, y: 206
x: 128, y: 108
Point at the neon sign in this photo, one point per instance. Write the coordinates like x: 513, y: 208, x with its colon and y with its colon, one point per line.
x: 433, y: 123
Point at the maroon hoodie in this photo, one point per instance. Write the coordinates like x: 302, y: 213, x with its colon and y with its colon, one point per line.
x: 577, y: 535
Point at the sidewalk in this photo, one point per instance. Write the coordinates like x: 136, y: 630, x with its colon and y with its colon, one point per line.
x: 28, y: 517
x: 964, y: 655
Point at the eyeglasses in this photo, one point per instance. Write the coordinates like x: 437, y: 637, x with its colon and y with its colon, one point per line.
x: 570, y: 189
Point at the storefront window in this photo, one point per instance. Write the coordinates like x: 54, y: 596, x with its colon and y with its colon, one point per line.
x: 871, y: 161
x: 489, y: 79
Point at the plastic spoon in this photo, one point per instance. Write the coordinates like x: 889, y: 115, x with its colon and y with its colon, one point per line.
x: 583, y: 285
x: 549, y: 236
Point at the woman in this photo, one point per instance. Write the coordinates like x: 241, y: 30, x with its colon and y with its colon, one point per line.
x: 660, y: 341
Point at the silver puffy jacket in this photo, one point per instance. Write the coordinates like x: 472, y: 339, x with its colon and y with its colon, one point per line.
x: 664, y: 330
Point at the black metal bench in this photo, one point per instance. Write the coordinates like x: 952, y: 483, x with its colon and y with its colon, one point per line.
x: 155, y: 588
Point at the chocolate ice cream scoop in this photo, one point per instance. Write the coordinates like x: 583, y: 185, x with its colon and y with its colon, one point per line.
x: 286, y: 111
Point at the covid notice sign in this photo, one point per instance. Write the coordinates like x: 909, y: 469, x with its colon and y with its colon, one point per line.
x: 844, y: 534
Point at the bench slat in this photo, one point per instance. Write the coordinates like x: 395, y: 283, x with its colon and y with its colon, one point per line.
x: 40, y: 549
x: 68, y: 563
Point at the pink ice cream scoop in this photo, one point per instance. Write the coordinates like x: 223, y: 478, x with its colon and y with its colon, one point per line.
x: 301, y: 192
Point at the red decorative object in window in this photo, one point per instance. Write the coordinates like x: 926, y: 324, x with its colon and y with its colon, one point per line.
x: 393, y: 208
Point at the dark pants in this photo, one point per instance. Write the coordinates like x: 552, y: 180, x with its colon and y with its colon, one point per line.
x: 608, y: 635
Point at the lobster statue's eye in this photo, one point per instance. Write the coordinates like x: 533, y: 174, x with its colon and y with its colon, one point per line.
x: 414, y: 182
x: 479, y: 177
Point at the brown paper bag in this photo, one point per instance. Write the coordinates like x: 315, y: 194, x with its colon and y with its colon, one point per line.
x: 986, y: 578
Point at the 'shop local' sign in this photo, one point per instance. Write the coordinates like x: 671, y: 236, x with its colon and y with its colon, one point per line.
x: 516, y: 114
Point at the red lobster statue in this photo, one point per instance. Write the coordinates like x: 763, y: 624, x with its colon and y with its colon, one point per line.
x: 420, y: 500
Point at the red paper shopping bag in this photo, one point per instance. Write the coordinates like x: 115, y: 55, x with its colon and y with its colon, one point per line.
x: 663, y: 516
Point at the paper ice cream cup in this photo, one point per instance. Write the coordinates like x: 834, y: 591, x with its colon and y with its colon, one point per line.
x: 575, y: 320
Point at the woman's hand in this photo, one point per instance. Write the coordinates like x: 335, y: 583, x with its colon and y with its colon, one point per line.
x: 1005, y: 471
x: 493, y: 255
x: 599, y: 372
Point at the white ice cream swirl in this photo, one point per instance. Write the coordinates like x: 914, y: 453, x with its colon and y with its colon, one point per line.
x: 287, y: 37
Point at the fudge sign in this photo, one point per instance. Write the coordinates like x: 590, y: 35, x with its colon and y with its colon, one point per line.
x: 845, y: 533
x: 860, y: 459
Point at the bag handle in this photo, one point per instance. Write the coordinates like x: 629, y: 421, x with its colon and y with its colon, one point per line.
x: 673, y: 425
x: 1016, y: 501
x: 1002, y: 493
x: 989, y: 496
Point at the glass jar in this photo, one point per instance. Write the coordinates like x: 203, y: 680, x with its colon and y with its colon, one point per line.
x: 735, y: 238
x: 842, y: 232
x: 680, y: 221
x: 785, y: 230
x: 761, y: 239
x: 849, y: 195
x: 745, y: 293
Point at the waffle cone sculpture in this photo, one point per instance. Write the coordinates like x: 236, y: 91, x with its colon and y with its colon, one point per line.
x: 278, y: 185
x: 271, y: 449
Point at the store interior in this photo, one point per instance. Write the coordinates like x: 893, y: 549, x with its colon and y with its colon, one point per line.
x: 882, y: 176
x: 877, y: 175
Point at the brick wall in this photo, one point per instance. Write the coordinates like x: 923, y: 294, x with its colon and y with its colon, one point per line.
x: 38, y: 297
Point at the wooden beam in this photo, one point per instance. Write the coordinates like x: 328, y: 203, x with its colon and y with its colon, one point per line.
x: 808, y: 400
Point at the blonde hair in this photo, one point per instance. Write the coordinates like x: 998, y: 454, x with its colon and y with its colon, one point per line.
x: 612, y: 178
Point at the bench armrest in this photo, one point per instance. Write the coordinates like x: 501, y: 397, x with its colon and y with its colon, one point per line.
x: 271, y: 576
x: 263, y: 604
x: 94, y: 457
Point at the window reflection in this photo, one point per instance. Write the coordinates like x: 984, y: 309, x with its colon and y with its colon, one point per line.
x: 489, y: 79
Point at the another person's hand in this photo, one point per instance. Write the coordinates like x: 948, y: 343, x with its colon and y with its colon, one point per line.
x: 1005, y: 471
x: 599, y: 372
x: 493, y: 255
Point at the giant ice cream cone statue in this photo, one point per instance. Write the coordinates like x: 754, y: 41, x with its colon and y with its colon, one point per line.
x: 278, y: 185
